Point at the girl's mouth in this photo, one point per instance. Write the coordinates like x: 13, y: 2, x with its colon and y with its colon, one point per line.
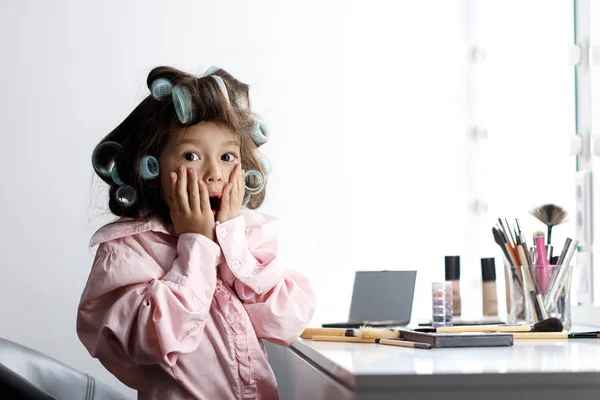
x: 215, y: 202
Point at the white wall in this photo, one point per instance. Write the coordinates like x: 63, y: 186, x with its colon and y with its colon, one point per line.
x: 367, y: 107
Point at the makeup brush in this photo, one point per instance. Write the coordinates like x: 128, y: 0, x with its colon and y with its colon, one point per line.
x: 364, y: 332
x: 584, y: 335
x: 308, y: 333
x: 510, y: 232
x: 387, y: 342
x: 500, y: 242
x: 341, y: 339
x: 515, y: 273
x: 550, y: 215
x: 558, y: 280
x: 556, y: 335
x: 519, y: 229
x: 539, y: 312
x: 505, y: 243
x: 379, y: 333
x: 404, y: 343
x: 540, y: 335
x: 547, y: 325
x: 505, y: 231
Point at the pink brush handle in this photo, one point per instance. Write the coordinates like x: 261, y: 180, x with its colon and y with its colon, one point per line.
x: 542, y: 270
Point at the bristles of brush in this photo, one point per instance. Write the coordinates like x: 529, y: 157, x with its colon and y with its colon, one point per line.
x: 539, y: 234
x: 549, y: 214
x: 549, y: 325
x: 366, y: 332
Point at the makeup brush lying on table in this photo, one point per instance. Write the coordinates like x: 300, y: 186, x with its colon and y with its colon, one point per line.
x: 547, y: 325
x: 399, y: 342
x: 556, y: 335
x: 364, y: 332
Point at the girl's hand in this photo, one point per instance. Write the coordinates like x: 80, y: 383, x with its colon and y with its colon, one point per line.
x: 233, y: 195
x: 190, y: 208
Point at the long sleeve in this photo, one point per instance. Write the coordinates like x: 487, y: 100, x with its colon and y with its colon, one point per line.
x: 133, y: 313
x: 280, y: 302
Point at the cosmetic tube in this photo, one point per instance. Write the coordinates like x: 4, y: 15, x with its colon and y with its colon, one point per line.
x: 488, y: 289
x: 452, y: 264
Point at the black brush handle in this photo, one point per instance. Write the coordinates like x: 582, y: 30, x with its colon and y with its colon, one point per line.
x: 584, y: 335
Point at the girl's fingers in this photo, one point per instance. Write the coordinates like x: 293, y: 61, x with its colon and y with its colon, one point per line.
x: 226, y: 198
x: 234, y: 182
x: 241, y: 186
x: 204, y: 199
x: 193, y: 191
x: 173, y: 199
x: 181, y: 189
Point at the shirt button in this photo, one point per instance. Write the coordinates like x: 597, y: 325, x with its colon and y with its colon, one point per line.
x: 209, y: 294
x: 236, y: 265
x: 222, y: 232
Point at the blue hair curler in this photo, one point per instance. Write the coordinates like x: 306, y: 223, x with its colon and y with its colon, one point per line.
x: 265, y: 164
x: 126, y: 195
x: 222, y: 86
x: 254, y: 181
x: 211, y: 70
x: 104, y: 157
x: 115, y: 176
x: 260, y: 133
x: 182, y: 98
x: 161, y: 87
x: 246, y: 200
x: 149, y: 168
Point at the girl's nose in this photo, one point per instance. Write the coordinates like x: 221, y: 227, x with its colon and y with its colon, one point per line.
x: 213, y: 173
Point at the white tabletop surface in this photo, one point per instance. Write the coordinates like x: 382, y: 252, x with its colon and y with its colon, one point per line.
x: 373, y: 364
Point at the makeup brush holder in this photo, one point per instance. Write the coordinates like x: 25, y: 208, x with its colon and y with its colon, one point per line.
x: 517, y: 312
x: 539, y: 293
x: 553, y: 283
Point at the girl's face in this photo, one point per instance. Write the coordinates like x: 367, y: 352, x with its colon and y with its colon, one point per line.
x: 212, y: 150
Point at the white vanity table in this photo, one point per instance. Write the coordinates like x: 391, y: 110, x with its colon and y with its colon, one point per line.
x: 531, y: 369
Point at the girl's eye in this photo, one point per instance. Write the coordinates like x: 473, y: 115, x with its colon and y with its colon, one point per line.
x: 191, y: 156
x: 228, y: 157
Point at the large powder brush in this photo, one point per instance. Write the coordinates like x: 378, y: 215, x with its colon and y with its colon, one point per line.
x: 550, y: 215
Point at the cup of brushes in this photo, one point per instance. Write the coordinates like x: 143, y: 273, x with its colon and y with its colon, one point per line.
x: 538, y: 276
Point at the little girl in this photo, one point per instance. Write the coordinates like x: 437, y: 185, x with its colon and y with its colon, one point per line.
x: 187, y: 282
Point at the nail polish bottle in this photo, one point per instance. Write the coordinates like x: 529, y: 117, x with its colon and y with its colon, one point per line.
x: 488, y: 290
x: 452, y: 264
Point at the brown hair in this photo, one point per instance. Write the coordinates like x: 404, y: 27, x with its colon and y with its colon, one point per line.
x: 145, y: 132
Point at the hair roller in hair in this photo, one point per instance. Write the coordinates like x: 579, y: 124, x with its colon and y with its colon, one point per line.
x: 160, y: 87
x: 182, y: 98
x: 126, y: 195
x: 265, y: 164
x: 103, y: 158
x: 115, y: 176
x: 260, y: 134
x: 210, y: 70
x: 149, y: 168
x: 222, y: 86
x: 246, y: 199
x: 255, y: 181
